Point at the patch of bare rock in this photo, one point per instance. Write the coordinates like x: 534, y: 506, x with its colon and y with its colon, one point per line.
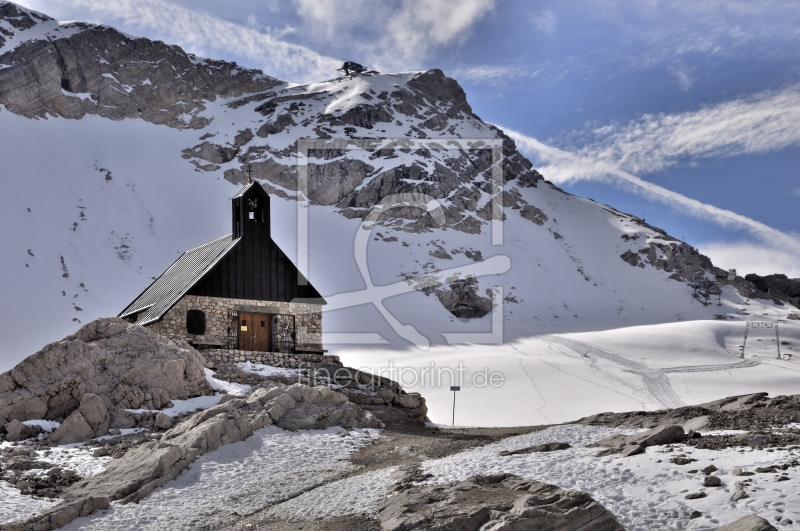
x: 502, y: 501
x: 765, y: 419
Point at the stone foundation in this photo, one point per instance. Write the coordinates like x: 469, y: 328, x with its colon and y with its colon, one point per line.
x: 222, y: 357
x: 308, y: 319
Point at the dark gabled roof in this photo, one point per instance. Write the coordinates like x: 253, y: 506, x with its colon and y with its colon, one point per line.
x: 246, y: 188
x: 173, y: 284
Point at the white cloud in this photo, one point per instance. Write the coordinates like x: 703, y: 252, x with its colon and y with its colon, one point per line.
x: 766, y: 122
x: 202, y: 34
x: 397, y: 35
x: 494, y: 74
x: 562, y: 166
x: 545, y: 22
x: 749, y: 257
x: 684, y: 81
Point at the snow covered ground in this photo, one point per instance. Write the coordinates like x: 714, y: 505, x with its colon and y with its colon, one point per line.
x: 237, y: 479
x: 76, y: 457
x: 644, y: 492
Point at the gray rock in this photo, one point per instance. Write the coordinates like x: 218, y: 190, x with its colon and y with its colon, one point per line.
x: 696, y: 495
x: 545, y: 447
x: 748, y: 523
x: 633, y: 444
x: 163, y: 421
x: 496, y: 502
x: 740, y: 493
x: 124, y: 365
x: 74, y: 429
x: 409, y: 400
x: 17, y: 431
x: 712, y: 481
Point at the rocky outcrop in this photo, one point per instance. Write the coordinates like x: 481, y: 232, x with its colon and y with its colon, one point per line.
x: 98, y: 70
x: 107, y: 364
x: 502, y: 501
x: 461, y: 298
x: 627, y: 445
x: 146, y: 467
x: 778, y: 286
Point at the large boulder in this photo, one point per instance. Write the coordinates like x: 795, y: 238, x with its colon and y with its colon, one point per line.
x: 121, y: 364
x: 17, y: 431
x: 91, y: 419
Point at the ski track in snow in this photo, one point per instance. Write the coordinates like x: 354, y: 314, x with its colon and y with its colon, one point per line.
x: 706, y: 368
x: 656, y: 384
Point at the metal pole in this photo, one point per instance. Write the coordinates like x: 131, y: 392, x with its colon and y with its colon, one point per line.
x: 454, y: 408
x: 744, y: 344
x: 778, y: 338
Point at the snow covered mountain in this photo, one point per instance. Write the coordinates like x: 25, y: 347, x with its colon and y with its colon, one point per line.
x: 104, y: 133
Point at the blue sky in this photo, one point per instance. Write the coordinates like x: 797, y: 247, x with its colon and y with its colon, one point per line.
x: 684, y: 112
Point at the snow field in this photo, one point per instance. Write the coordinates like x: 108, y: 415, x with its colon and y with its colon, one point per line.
x: 643, y: 493
x: 15, y: 506
x: 236, y: 480
x: 558, y: 378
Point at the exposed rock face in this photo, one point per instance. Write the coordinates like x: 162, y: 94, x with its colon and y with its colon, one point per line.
x: 124, y: 365
x: 91, y: 419
x: 98, y: 70
x: 778, y: 286
x: 461, y: 298
x: 501, y: 501
x: 146, y: 467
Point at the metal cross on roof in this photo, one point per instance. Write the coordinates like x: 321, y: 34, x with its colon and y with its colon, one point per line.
x: 249, y: 174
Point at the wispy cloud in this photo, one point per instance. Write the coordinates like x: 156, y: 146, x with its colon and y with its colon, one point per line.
x: 396, y: 35
x: 545, y: 22
x: 494, y: 74
x: 766, y: 122
x: 749, y: 257
x: 562, y: 166
x: 204, y: 34
x: 662, y: 31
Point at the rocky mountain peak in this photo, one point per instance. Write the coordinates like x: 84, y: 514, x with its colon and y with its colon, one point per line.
x: 70, y: 70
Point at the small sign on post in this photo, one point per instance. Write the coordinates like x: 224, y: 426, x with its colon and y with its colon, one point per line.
x: 454, y: 388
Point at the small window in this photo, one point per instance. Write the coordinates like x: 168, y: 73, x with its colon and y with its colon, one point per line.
x: 196, y: 322
x: 263, y: 324
x: 252, y: 215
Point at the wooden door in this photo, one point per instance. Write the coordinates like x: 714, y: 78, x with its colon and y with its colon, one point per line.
x: 254, y: 332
